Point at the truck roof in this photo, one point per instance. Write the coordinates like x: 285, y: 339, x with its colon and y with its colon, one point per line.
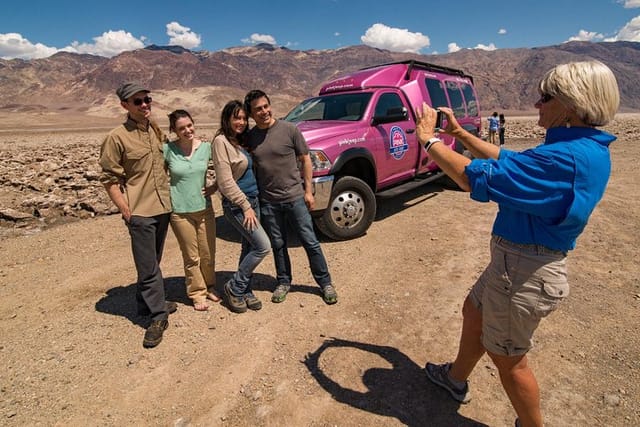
x: 392, y: 74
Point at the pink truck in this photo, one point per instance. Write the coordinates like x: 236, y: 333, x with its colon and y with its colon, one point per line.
x: 361, y: 133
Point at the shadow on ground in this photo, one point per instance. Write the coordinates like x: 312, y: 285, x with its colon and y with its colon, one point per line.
x: 402, y: 391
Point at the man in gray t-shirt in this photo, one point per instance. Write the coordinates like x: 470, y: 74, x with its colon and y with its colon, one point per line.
x: 285, y: 196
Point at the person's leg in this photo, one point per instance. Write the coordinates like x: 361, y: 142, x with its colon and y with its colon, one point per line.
x: 256, y: 247
x: 147, y: 239
x: 274, y: 221
x: 301, y: 220
x: 185, y: 229
x: 206, y: 231
x: 521, y: 386
x: 470, y: 349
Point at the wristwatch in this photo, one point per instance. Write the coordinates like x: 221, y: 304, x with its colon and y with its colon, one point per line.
x: 430, y: 142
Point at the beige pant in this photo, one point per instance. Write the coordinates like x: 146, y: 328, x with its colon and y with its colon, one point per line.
x: 196, y: 235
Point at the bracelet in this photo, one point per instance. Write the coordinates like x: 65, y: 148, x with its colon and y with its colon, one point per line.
x: 430, y: 142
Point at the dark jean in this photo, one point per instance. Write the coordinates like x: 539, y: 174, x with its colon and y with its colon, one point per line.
x: 147, y: 242
x: 255, y: 245
x: 275, y: 218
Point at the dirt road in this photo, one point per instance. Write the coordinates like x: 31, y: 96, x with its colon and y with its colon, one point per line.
x: 71, y: 343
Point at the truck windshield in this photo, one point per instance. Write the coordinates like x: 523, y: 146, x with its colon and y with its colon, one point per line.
x: 347, y: 106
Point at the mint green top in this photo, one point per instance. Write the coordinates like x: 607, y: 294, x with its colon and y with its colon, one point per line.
x: 187, y: 177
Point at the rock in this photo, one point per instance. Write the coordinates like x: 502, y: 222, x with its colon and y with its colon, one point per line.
x: 611, y: 399
x: 14, y: 215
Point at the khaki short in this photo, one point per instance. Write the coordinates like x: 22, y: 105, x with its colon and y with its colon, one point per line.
x: 521, y: 285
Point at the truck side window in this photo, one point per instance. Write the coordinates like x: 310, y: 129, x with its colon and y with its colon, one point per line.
x: 470, y: 99
x: 455, y: 96
x: 436, y: 93
x: 386, y: 102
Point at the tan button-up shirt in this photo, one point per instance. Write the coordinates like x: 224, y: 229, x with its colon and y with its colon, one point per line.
x: 131, y: 155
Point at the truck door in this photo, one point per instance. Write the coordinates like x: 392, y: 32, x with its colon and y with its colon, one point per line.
x: 395, y: 146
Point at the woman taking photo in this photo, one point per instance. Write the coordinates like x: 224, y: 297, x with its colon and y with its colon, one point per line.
x: 237, y: 184
x: 192, y: 220
x: 545, y: 196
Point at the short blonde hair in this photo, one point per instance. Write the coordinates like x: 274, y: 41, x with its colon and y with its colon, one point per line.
x: 589, y: 88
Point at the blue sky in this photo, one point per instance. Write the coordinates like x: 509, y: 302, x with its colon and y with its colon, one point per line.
x: 40, y: 28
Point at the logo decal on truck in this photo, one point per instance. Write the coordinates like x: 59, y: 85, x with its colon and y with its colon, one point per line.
x: 397, y: 143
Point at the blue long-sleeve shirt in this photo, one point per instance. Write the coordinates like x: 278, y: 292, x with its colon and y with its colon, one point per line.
x: 546, y: 194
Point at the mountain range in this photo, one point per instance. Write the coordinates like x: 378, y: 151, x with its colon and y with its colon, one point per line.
x: 505, y: 79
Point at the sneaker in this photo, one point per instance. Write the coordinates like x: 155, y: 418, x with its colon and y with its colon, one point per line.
x: 329, y: 294
x: 253, y: 303
x: 439, y: 374
x: 235, y: 304
x: 153, y: 334
x: 280, y: 294
x: 170, y: 306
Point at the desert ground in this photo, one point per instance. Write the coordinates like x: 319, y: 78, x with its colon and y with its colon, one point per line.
x: 71, y: 349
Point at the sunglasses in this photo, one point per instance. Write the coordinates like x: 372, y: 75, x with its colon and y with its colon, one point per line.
x: 544, y: 98
x: 138, y: 101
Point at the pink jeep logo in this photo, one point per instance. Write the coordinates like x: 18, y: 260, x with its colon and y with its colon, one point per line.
x: 397, y: 143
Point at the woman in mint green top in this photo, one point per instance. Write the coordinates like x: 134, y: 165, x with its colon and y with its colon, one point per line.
x: 192, y: 220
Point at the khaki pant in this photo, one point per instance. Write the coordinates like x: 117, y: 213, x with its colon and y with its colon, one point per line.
x: 196, y: 235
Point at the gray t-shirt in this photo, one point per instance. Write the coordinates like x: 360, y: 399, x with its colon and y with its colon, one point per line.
x: 275, y: 153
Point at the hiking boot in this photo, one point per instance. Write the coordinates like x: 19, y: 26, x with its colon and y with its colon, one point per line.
x: 253, y: 303
x: 280, y: 294
x: 329, y: 294
x: 153, y: 334
x: 170, y: 306
x: 235, y: 304
x: 439, y: 375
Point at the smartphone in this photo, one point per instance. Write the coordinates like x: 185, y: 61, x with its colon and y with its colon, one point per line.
x: 439, y: 119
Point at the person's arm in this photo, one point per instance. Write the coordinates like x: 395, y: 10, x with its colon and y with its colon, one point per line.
x: 307, y: 173
x: 116, y: 196
x: 113, y: 173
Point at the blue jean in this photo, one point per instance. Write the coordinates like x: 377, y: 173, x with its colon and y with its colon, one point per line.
x: 147, y: 241
x: 255, y: 245
x: 275, y: 218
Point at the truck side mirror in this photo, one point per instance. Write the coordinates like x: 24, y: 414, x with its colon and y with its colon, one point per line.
x: 396, y: 114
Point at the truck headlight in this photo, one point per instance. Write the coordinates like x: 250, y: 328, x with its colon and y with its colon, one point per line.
x: 319, y: 161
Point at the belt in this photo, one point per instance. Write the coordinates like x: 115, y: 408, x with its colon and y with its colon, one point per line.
x: 530, y: 247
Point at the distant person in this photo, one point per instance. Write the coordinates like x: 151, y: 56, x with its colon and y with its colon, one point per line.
x: 494, y: 125
x: 501, y: 129
x: 134, y: 175
x: 239, y: 189
x: 545, y: 196
x: 193, y: 219
x: 285, y: 197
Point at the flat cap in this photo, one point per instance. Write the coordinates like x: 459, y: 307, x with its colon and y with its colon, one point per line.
x: 128, y: 89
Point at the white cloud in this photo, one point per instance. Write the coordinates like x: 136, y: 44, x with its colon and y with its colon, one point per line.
x: 502, y: 31
x: 586, y: 36
x: 630, y: 32
x: 481, y: 46
x: 182, y: 36
x: 337, y: 34
x: 453, y: 47
x: 631, y: 4
x: 109, y: 44
x: 394, y: 39
x: 13, y: 45
x: 256, y: 38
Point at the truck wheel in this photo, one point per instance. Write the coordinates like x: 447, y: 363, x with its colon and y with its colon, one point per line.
x: 351, y: 210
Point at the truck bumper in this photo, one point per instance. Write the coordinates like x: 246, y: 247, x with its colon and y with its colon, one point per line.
x: 322, y: 186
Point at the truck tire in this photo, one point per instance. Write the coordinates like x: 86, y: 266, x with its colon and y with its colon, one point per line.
x: 351, y: 210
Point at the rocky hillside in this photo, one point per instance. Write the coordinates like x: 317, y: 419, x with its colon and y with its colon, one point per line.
x: 505, y: 78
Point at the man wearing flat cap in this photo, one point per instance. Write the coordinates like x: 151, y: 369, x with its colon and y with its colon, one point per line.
x: 135, y: 178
